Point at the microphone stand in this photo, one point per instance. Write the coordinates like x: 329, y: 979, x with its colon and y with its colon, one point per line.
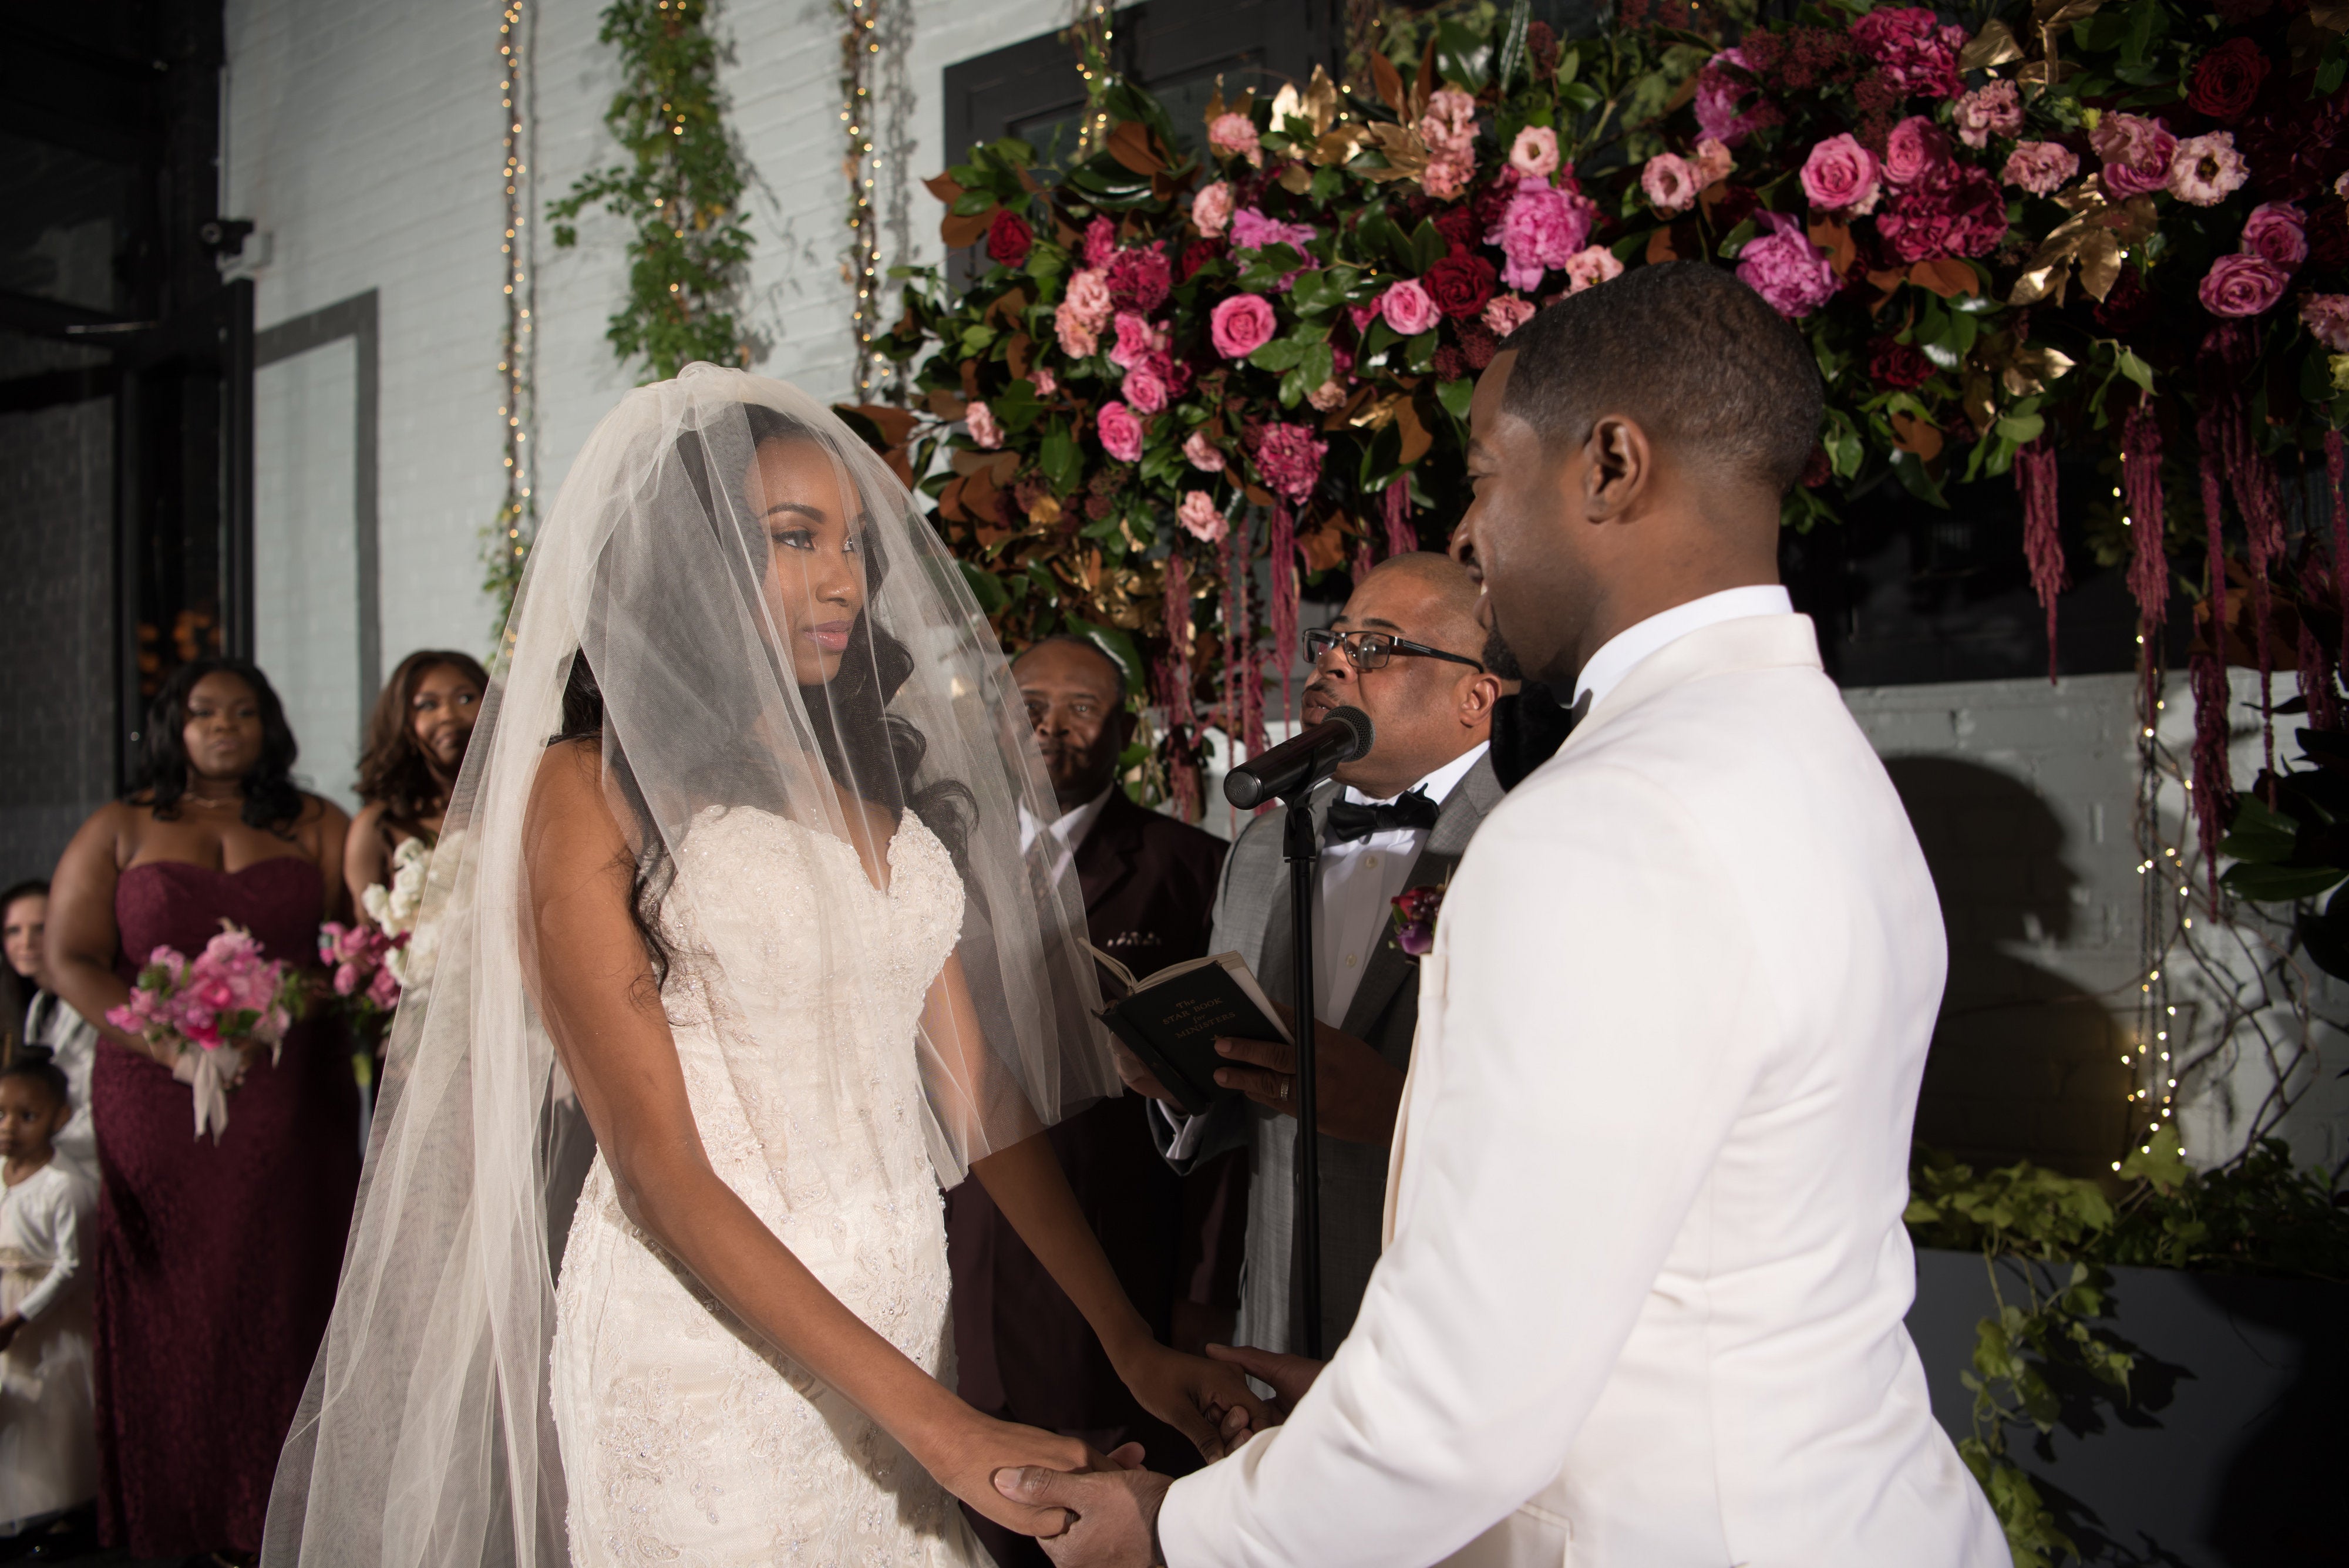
x: 1302, y: 849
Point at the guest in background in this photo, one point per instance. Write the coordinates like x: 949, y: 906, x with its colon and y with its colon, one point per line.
x: 415, y: 744
x: 46, y: 1024
x: 216, y: 1258
x: 1397, y: 818
x: 1022, y: 1347
x: 48, y: 1448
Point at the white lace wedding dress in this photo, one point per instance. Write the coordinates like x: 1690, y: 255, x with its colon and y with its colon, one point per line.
x: 686, y: 1438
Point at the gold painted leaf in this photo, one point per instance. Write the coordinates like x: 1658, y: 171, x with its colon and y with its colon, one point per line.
x: 1993, y: 46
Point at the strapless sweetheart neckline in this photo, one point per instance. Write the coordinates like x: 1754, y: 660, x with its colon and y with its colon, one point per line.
x: 218, y: 870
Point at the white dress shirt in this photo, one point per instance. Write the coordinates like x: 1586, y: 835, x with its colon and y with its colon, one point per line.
x: 1359, y: 882
x: 1615, y: 659
x: 1070, y: 828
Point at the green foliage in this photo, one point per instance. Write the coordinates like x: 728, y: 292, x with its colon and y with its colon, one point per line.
x: 679, y: 190
x: 2296, y: 849
x: 2048, y: 1242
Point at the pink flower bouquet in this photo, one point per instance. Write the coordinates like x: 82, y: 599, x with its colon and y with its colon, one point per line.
x: 228, y: 995
x: 358, y: 957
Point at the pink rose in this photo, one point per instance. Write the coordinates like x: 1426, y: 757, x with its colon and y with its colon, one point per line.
x: 2206, y: 169
x: 1136, y: 340
x: 1587, y: 268
x: 1234, y: 136
x: 1541, y: 226
x: 1450, y: 123
x: 1782, y: 265
x: 1211, y: 209
x: 1988, y: 111
x: 1919, y: 54
x: 2242, y: 286
x: 2277, y: 231
x: 1241, y: 325
x: 1144, y: 389
x: 1089, y: 297
x: 2326, y: 317
x: 1505, y: 313
x: 1200, y: 516
x: 1121, y: 431
x: 1201, y: 454
x: 1535, y: 152
x: 1288, y: 458
x: 1408, y: 309
x: 2136, y: 153
x: 1840, y: 176
x: 1713, y: 162
x: 2041, y: 167
x: 1670, y: 182
x: 980, y: 420
x: 1914, y: 150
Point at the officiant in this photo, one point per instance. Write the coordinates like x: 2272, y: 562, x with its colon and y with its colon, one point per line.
x: 1407, y: 650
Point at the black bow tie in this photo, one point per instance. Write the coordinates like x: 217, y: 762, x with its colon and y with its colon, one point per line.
x: 1527, y: 730
x: 1348, y: 821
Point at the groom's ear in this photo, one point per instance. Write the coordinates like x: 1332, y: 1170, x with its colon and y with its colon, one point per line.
x: 1617, y: 466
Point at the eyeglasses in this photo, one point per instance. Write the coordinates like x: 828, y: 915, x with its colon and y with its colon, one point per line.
x: 1372, y: 649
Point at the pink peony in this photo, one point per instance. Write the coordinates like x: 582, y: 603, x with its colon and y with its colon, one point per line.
x: 2242, y: 286
x: 2041, y: 167
x: 2326, y: 317
x: 1712, y: 162
x: 1914, y: 150
x: 1589, y: 268
x: 1541, y: 226
x: 1201, y: 454
x: 1988, y: 111
x: 1211, y: 209
x: 1919, y: 54
x: 1670, y: 182
x: 1507, y: 312
x: 1234, y: 136
x: 1408, y: 309
x: 2277, y: 232
x: 1535, y: 152
x: 980, y: 420
x: 1288, y: 458
x: 1144, y: 388
x: 1840, y: 176
x: 1241, y: 325
x: 1251, y: 229
x: 1200, y: 516
x: 1717, y: 92
x: 2206, y: 169
x: 2136, y: 153
x: 1450, y: 123
x: 1121, y: 431
x: 1782, y: 265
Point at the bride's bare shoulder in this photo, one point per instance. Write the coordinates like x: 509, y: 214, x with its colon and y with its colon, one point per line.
x: 567, y: 793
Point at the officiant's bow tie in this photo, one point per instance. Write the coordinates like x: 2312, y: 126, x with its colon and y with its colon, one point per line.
x: 1348, y: 821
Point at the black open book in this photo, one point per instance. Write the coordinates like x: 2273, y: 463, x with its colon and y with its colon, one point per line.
x: 1173, y: 1019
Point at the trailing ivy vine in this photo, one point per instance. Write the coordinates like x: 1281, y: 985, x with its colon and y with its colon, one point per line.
x: 679, y: 188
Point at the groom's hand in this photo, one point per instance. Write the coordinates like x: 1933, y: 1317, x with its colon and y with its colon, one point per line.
x: 1289, y: 1377
x: 1357, y: 1091
x: 1112, y: 1515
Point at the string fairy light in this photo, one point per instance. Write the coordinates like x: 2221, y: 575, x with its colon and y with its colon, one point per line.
x: 1090, y: 32
x: 859, y: 42
x: 517, y: 517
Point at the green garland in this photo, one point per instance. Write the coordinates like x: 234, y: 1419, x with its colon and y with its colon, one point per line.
x: 680, y: 190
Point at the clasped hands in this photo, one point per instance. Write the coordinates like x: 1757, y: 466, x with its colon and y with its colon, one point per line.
x: 1110, y: 1509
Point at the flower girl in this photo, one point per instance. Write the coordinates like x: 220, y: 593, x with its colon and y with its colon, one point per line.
x: 48, y: 1443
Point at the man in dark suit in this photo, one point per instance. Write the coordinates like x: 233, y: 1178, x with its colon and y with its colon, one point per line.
x: 1024, y: 1351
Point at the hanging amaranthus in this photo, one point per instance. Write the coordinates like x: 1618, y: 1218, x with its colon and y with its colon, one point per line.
x: 2332, y: 490
x: 1401, y: 538
x: 1175, y: 693
x: 1284, y: 597
x: 2043, y: 543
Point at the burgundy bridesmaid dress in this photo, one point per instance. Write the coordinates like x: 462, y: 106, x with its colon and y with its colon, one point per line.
x: 216, y: 1264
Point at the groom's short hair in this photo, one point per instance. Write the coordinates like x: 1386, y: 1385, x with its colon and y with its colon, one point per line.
x: 1699, y: 360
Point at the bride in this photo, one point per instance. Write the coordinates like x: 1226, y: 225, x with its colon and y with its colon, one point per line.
x: 735, y: 854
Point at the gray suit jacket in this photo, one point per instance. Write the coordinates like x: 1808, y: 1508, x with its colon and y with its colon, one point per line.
x: 1252, y: 919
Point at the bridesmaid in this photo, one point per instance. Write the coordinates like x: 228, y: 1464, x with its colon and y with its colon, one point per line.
x: 216, y: 1263
x: 415, y: 744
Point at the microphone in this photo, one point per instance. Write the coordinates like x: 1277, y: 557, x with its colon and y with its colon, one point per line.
x: 1303, y: 759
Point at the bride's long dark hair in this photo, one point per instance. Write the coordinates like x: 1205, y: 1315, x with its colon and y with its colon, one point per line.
x: 871, y: 753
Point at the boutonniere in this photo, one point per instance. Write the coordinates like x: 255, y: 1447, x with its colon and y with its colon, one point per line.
x: 1415, y: 910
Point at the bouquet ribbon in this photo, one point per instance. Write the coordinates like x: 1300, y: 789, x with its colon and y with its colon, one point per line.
x: 200, y: 1070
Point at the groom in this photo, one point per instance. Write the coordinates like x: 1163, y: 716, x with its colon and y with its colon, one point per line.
x: 1641, y: 1303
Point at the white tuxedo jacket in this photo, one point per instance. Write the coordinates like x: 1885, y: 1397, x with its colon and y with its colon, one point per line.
x: 1641, y: 1301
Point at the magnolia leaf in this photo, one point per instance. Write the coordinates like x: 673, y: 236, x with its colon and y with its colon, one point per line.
x: 2135, y: 369
x: 2281, y: 884
x: 1454, y: 396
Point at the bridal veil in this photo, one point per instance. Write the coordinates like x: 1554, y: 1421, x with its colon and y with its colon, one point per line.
x: 424, y: 1438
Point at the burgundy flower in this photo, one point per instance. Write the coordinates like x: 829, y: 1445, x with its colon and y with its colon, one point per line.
x: 1139, y: 278
x: 2128, y: 306
x: 1460, y: 284
x: 1541, y: 46
x: 1818, y: 470
x: 1458, y: 227
x: 1288, y: 458
x: 1450, y: 363
x: 1198, y: 254
x: 1896, y: 367
x: 1954, y: 212
x: 1478, y: 344
x: 2328, y: 235
x: 1918, y: 55
x: 1008, y: 238
x: 2227, y: 81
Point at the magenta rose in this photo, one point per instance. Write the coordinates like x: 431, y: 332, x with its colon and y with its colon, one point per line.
x: 1121, y: 431
x: 1144, y: 388
x: 1840, y: 176
x: 1919, y: 54
x: 2277, y: 231
x: 1241, y: 325
x: 2041, y: 167
x: 2242, y: 286
x: 1408, y: 308
x: 2326, y: 317
x: 2136, y: 153
x: 1782, y: 265
x: 1914, y: 150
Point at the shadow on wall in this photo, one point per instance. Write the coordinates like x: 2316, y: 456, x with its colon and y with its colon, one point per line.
x: 2026, y: 1064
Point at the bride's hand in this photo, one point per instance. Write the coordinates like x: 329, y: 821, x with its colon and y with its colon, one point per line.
x: 966, y: 1460
x: 1208, y: 1402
